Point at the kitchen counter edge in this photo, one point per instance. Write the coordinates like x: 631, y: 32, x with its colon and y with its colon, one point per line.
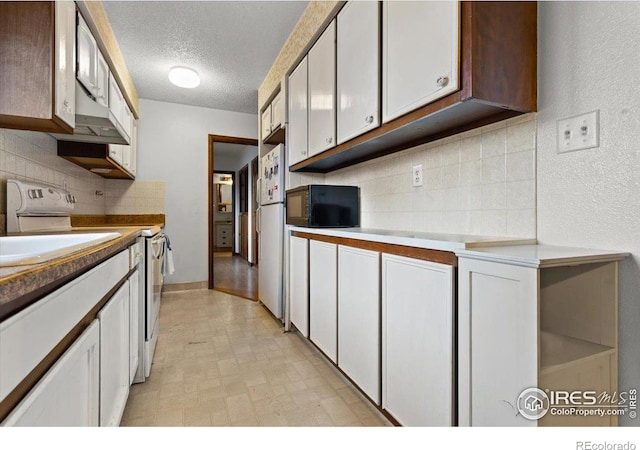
x: 22, y: 286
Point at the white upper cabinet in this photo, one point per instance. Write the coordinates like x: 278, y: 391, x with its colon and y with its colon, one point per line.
x: 116, y: 152
x: 87, y: 57
x: 119, y: 108
x: 266, y: 122
x: 102, y: 81
x: 420, y: 61
x: 65, y: 74
x: 298, y: 100
x: 277, y: 111
x: 358, y: 64
x: 322, y: 91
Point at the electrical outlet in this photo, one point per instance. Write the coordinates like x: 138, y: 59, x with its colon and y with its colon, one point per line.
x: 578, y: 132
x: 417, y: 175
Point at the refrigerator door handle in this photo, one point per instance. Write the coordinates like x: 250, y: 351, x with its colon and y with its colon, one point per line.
x: 259, y: 193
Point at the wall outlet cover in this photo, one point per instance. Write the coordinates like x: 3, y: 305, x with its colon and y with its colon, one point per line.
x: 416, y: 175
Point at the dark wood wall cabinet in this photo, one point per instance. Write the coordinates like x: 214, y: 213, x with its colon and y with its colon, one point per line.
x: 93, y: 157
x: 496, y: 80
x: 36, y: 88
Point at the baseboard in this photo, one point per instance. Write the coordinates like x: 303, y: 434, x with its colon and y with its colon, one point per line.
x: 192, y: 285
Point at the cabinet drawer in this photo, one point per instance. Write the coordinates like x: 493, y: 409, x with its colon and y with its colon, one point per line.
x: 27, y: 337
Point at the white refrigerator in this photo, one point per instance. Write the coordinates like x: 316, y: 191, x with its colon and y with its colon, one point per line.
x: 271, y: 231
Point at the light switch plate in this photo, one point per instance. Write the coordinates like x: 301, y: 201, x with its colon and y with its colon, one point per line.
x: 417, y: 175
x: 579, y: 132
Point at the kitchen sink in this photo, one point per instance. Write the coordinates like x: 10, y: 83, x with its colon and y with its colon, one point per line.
x: 22, y: 250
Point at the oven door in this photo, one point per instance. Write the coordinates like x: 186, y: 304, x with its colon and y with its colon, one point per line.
x: 155, y: 256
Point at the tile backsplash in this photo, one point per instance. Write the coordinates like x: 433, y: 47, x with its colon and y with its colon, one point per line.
x: 33, y: 156
x: 28, y: 155
x: 134, y: 197
x: 478, y: 182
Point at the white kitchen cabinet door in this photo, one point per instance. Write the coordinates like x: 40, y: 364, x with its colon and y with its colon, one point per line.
x: 134, y: 323
x: 27, y: 337
x: 116, y: 103
x: 417, y: 341
x: 277, y: 111
x: 116, y: 153
x: 497, y: 341
x: 323, y: 301
x: 420, y: 56
x: 299, y: 283
x: 87, y: 57
x: 133, y: 152
x: 102, y: 81
x: 359, y: 318
x: 114, y: 357
x: 322, y: 92
x: 298, y: 124
x: 266, y: 122
x: 68, y: 394
x: 126, y: 118
x: 65, y: 65
x: 358, y: 74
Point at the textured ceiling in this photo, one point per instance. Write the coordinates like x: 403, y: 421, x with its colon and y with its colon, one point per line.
x: 232, y: 45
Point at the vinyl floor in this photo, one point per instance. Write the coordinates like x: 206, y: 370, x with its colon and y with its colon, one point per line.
x: 233, y: 275
x: 225, y: 361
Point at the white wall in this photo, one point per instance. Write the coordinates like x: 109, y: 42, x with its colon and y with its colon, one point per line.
x: 589, y: 59
x: 173, y: 148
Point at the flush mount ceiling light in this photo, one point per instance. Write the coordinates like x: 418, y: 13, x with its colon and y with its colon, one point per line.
x: 184, y: 77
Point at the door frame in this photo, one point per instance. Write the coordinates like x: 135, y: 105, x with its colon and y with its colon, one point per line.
x: 212, y: 139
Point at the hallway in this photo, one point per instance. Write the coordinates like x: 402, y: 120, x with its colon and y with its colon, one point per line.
x: 224, y: 361
x: 233, y: 275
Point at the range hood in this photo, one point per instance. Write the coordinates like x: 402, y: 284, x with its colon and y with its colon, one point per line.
x: 95, y: 123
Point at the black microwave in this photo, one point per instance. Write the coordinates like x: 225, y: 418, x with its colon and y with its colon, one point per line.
x: 323, y: 206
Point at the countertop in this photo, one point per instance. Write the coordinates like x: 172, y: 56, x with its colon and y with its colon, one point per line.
x: 21, y: 286
x: 540, y: 256
x: 433, y: 241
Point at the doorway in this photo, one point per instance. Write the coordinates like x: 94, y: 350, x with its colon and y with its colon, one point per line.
x: 231, y: 181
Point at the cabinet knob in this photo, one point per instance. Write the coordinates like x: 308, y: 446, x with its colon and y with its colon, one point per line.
x: 442, y: 81
x: 369, y: 119
x: 329, y: 140
x: 66, y: 103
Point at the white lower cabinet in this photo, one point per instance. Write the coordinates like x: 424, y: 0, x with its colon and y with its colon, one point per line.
x: 114, y: 357
x: 68, y: 394
x: 498, y: 341
x: 417, y: 341
x: 299, y: 283
x: 536, y: 317
x: 359, y: 318
x: 323, y: 308
x: 134, y: 323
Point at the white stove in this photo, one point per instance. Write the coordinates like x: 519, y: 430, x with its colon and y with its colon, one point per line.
x: 40, y: 208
